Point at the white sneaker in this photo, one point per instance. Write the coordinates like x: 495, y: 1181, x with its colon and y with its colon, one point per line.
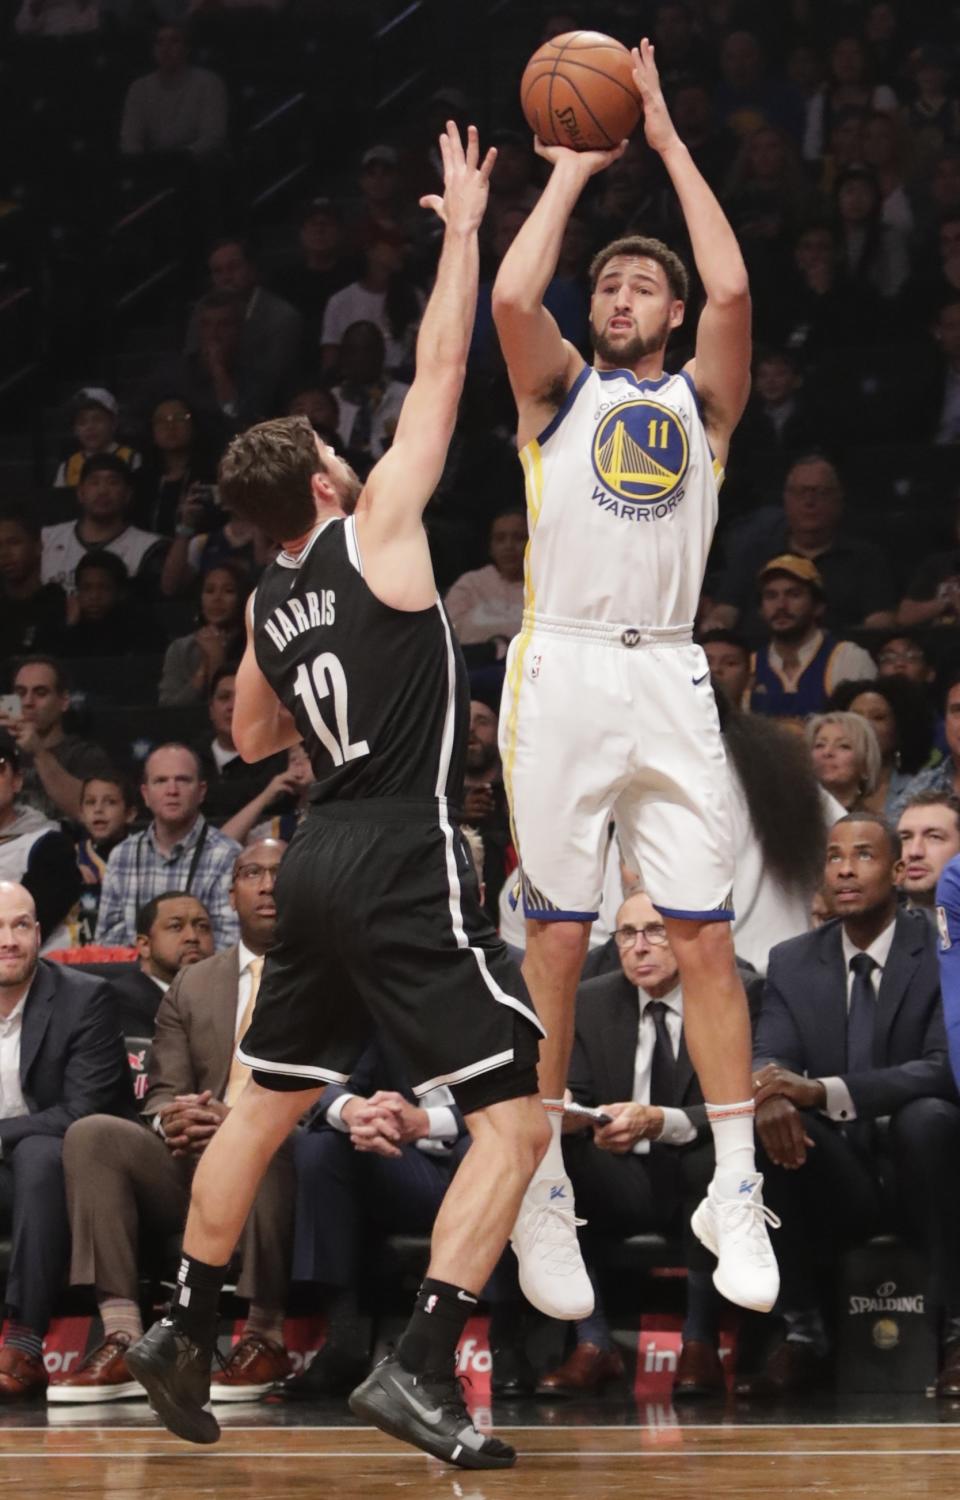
x: 552, y: 1275
x: 735, y: 1231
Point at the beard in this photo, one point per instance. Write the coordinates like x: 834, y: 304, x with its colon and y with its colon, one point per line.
x: 624, y: 356
x: 18, y: 972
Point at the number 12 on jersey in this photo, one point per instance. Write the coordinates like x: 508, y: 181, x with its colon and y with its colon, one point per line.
x: 312, y: 687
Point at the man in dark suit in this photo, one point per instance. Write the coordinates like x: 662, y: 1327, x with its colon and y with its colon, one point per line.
x: 173, y: 931
x: 121, y: 1174
x: 61, y: 1058
x: 375, y: 1160
x: 857, y: 1114
x: 649, y: 1168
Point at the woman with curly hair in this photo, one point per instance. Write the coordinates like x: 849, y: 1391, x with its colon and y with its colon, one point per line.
x: 902, y: 721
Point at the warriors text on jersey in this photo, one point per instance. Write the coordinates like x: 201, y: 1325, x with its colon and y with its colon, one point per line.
x: 622, y: 497
x: 379, y: 694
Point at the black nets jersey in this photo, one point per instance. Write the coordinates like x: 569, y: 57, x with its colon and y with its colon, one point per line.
x: 380, y: 695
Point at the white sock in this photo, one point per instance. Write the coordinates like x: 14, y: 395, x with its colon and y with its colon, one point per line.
x: 552, y: 1164
x: 732, y: 1126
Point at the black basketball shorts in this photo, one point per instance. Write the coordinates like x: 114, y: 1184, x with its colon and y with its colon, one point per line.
x: 380, y: 926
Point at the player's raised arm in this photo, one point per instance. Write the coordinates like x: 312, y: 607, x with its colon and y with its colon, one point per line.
x: 400, y: 485
x: 537, y: 355
x: 721, y: 368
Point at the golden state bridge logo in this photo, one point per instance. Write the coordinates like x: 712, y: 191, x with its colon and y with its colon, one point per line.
x: 641, y: 452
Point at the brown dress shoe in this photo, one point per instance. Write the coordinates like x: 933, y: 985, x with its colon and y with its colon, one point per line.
x: 103, y: 1375
x: 20, y: 1374
x: 587, y: 1369
x: 699, y: 1372
x: 254, y: 1366
x: 791, y: 1368
x: 948, y: 1381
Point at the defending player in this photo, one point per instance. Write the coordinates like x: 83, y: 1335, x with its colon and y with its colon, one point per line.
x: 608, y: 704
x: 380, y: 924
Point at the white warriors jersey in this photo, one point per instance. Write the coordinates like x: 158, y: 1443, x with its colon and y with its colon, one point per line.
x: 622, y: 503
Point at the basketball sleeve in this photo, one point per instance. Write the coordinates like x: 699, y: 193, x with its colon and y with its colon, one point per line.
x: 948, y: 950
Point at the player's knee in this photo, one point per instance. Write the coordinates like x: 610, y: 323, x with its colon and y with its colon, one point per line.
x: 562, y: 945
x: 701, y: 946
x: 521, y: 1130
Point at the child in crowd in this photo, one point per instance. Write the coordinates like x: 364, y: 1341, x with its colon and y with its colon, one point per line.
x: 94, y: 416
x: 107, y: 810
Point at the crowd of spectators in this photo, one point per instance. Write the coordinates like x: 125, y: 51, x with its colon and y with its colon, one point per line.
x: 132, y: 833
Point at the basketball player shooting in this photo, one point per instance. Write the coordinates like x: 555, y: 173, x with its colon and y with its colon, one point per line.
x: 608, y: 707
x: 349, y: 649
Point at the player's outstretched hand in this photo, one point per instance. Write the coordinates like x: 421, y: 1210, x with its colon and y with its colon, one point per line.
x: 466, y: 180
x: 658, y: 127
x: 589, y: 162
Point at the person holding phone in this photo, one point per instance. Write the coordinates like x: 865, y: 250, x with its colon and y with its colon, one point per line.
x: 637, y: 1145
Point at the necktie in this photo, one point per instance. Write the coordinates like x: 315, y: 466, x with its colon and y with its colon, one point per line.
x: 663, y: 1070
x: 862, y: 1015
x: 239, y: 1072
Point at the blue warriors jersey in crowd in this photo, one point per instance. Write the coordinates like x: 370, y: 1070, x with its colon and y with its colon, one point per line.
x: 948, y: 949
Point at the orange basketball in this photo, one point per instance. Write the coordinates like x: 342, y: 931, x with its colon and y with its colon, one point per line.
x: 578, y: 90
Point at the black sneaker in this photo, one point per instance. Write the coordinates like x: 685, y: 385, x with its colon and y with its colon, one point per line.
x: 430, y: 1413
x: 176, y: 1375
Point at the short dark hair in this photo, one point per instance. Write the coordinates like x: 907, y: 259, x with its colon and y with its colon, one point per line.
x: 147, y: 913
x: 19, y: 515
x: 904, y: 633
x: 933, y: 798
x: 38, y: 660
x: 113, y: 778
x: 951, y: 681
x: 228, y: 669
x: 243, y: 245
x: 642, y: 244
x: 102, y: 561
x: 890, y: 834
x: 266, y: 476
x: 725, y: 638
x: 109, y: 463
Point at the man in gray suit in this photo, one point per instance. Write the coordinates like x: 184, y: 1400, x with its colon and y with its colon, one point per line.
x: 857, y: 1115
x: 61, y: 1058
x: 123, y: 1175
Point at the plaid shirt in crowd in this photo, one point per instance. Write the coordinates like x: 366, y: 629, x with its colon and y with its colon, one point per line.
x: 137, y: 871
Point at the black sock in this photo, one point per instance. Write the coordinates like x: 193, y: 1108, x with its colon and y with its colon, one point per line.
x: 196, y: 1300
x: 429, y: 1343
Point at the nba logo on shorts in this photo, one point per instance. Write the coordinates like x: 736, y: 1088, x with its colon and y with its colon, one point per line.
x: 430, y: 1304
x: 535, y: 666
x: 641, y: 452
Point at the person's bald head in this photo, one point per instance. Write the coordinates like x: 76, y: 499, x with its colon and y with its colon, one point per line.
x: 19, y: 941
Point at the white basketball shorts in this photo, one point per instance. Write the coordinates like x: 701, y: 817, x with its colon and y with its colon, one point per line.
x: 602, y: 721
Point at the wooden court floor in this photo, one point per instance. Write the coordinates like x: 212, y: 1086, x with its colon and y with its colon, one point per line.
x: 869, y: 1462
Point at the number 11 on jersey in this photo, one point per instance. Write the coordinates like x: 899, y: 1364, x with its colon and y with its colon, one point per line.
x: 328, y: 677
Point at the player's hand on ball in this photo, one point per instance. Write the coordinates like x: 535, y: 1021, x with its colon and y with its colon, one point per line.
x: 466, y: 180
x: 658, y: 127
x: 588, y: 162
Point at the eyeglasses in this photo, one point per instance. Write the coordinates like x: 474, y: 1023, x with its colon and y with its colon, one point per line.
x: 250, y: 874
x: 893, y: 658
x: 653, y: 933
x: 172, y: 420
